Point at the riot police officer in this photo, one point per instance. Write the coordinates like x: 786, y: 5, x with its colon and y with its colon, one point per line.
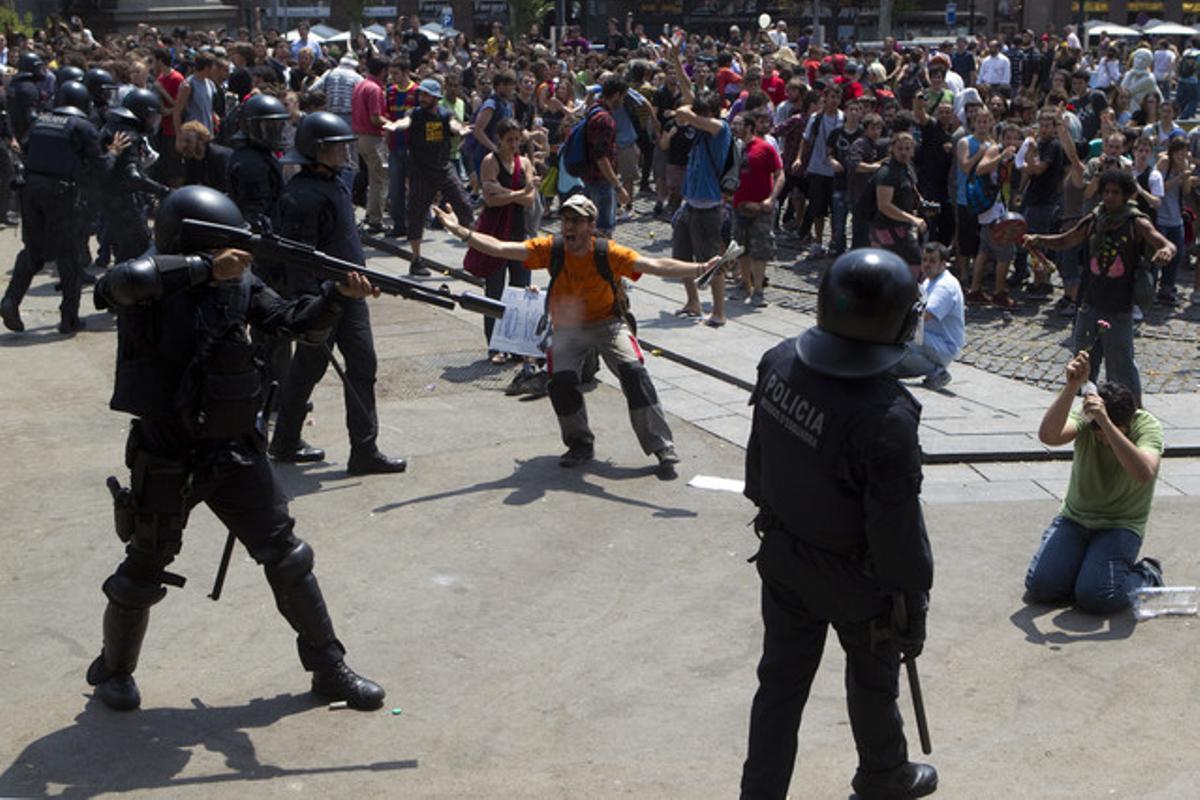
x: 23, y: 97
x: 68, y: 73
x: 185, y: 371
x: 315, y: 208
x: 62, y: 151
x: 103, y: 88
x: 834, y: 466
x: 122, y: 202
x: 255, y: 183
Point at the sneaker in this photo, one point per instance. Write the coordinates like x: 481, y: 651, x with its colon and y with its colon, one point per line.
x: 937, y: 380
x: 538, y: 385
x: 1002, y: 300
x: 658, y: 209
x: 667, y: 457
x: 518, y: 385
x: 1138, y: 316
x: 576, y: 455
x: 1068, y: 309
x: 418, y: 269
x: 371, y: 228
x: 339, y: 682
x: 1165, y: 298
x: 756, y: 300
x: 978, y: 297
x: 817, y: 252
x: 1015, y: 280
x: 1039, y: 290
x: 1151, y: 570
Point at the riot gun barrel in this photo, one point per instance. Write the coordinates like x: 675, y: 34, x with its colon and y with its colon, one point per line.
x: 298, y: 255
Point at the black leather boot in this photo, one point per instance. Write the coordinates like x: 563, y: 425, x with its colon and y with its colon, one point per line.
x: 112, y: 671
x: 339, y: 682
x: 905, y: 781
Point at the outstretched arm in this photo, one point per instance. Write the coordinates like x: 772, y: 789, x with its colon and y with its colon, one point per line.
x: 671, y: 267
x: 489, y: 245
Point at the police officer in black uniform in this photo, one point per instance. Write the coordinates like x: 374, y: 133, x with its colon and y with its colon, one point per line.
x: 122, y: 196
x: 103, y: 88
x: 23, y: 97
x: 315, y: 208
x: 834, y: 466
x: 255, y: 183
x: 68, y: 73
x: 185, y: 371
x: 62, y: 152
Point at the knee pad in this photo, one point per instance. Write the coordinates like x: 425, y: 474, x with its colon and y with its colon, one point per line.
x: 132, y: 593
x: 293, y: 566
x: 637, y: 386
x: 564, y: 393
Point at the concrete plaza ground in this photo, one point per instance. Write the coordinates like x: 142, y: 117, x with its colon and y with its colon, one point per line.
x: 544, y: 633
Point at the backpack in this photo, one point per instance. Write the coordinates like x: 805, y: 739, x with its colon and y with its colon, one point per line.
x: 866, y: 206
x: 575, y: 150
x: 1187, y: 67
x: 729, y: 177
x: 600, y: 256
x: 981, y: 193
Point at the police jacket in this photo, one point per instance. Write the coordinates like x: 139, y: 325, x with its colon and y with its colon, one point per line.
x: 24, y: 100
x: 316, y: 209
x: 255, y: 183
x: 836, y: 462
x: 182, y: 338
x: 63, y: 144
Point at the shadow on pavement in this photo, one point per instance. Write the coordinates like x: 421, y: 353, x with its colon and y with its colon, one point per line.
x: 1072, y: 625
x: 107, y: 751
x: 534, y: 478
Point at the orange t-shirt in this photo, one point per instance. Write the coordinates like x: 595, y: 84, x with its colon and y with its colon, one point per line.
x: 581, y: 294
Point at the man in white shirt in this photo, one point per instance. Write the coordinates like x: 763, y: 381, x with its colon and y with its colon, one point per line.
x: 942, y: 333
x: 779, y: 36
x: 1164, y: 65
x: 995, y: 69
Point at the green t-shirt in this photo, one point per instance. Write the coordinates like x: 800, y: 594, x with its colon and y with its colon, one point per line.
x: 1101, y: 494
x: 458, y: 110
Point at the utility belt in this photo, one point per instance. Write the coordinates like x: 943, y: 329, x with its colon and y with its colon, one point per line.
x: 768, y: 521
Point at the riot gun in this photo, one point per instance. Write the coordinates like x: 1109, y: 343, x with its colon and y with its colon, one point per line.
x: 293, y: 255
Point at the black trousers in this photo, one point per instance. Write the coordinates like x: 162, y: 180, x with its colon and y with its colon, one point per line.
x: 235, y: 481
x: 352, y: 336
x: 50, y: 231
x: 127, y: 232
x: 493, y: 286
x: 805, y: 591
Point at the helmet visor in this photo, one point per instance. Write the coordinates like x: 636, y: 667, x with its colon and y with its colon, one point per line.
x: 267, y: 132
x: 106, y: 94
x: 334, y: 155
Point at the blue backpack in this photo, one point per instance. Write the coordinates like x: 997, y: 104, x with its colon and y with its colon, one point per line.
x: 575, y: 150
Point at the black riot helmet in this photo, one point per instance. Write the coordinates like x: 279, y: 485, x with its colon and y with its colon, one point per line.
x: 73, y: 94
x: 200, y: 203
x: 101, y: 84
x: 30, y: 64
x: 316, y: 130
x: 868, y: 306
x: 263, y: 119
x: 146, y: 106
x: 68, y: 73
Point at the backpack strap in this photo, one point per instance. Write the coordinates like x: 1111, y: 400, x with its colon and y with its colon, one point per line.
x: 557, y: 257
x: 620, y: 300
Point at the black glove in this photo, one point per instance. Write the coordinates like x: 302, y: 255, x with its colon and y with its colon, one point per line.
x: 912, y: 641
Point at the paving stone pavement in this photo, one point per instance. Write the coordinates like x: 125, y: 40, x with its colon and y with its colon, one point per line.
x: 1030, y: 344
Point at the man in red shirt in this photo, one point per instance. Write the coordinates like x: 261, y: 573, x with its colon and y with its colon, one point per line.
x: 169, y: 168
x: 772, y: 84
x: 759, y: 184
x: 600, y: 180
x: 726, y: 75
x: 367, y: 115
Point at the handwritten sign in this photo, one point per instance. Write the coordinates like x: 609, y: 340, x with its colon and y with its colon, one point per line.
x: 517, y: 331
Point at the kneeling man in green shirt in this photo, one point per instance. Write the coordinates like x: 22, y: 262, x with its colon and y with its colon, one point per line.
x: 1088, y: 554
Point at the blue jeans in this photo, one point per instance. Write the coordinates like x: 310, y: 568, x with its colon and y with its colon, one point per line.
x: 1116, y: 345
x: 919, y: 360
x: 604, y: 195
x: 838, y: 213
x: 398, y: 190
x: 1166, y: 280
x: 1093, y: 567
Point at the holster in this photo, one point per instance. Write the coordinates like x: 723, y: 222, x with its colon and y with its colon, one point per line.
x: 123, y: 514
x: 156, y: 501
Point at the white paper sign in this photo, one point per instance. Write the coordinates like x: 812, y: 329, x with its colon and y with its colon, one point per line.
x: 717, y: 484
x: 517, y: 332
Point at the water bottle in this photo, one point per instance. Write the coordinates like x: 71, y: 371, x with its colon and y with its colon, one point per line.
x: 1160, y: 601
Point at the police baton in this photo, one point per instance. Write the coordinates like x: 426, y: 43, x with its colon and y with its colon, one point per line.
x: 900, y: 617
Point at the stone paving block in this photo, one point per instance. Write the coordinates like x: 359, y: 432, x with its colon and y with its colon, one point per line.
x: 731, y: 427
x: 1184, y: 484
x: 1178, y: 467
x: 952, y: 473
x: 934, y: 442
x: 710, y: 388
x: 974, y: 492
x: 687, y: 405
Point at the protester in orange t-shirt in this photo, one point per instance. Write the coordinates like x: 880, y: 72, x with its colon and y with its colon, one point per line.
x: 586, y: 316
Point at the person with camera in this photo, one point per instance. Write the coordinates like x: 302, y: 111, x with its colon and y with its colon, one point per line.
x: 898, y: 225
x: 186, y: 373
x: 1087, y: 555
x: 843, y: 537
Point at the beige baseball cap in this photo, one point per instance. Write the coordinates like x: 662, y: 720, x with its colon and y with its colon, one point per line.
x: 581, y: 205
